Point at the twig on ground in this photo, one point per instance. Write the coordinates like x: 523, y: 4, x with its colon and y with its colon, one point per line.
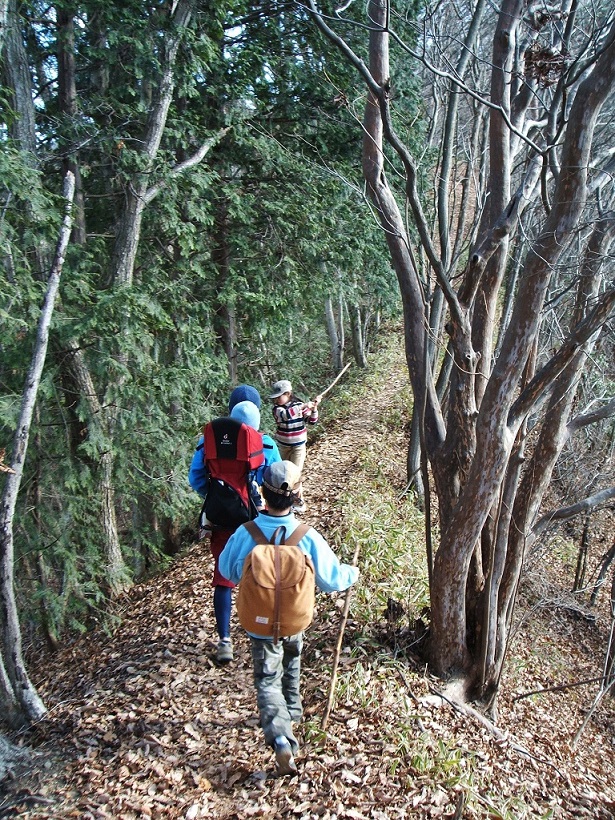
x: 560, y: 688
x: 603, y: 691
x: 469, y: 711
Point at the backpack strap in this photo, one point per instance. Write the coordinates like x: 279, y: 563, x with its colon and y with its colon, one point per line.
x: 293, y: 540
x: 297, y: 535
x: 256, y: 532
x: 278, y: 591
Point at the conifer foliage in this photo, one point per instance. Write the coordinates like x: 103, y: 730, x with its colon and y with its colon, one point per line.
x: 213, y: 181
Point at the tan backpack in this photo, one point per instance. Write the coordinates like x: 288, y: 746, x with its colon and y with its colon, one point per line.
x: 277, y: 588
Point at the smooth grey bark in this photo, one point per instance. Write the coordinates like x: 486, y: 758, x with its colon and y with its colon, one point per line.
x: 334, y: 340
x: 67, y: 101
x: 129, y: 225
x: 24, y: 694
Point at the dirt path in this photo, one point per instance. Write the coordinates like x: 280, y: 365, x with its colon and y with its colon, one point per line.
x: 333, y: 459
x: 143, y: 724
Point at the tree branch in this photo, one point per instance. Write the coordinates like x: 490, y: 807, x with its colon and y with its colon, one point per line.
x: 566, y: 513
x: 381, y: 94
x: 584, y: 419
x: 197, y: 157
x: 537, y: 389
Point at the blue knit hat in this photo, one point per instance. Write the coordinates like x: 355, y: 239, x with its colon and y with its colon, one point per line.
x: 244, y: 392
x: 248, y: 413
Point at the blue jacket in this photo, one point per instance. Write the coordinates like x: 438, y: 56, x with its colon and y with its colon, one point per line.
x: 198, y: 476
x: 331, y: 575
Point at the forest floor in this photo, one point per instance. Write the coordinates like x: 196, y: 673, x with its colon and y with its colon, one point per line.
x: 143, y: 724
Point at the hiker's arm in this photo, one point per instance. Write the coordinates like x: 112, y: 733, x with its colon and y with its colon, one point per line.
x: 230, y: 562
x: 331, y: 574
x: 198, y: 475
x: 313, y: 416
x: 272, y: 454
x: 310, y: 410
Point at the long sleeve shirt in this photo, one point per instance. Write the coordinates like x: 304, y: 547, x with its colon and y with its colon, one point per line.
x: 291, y: 420
x: 331, y: 574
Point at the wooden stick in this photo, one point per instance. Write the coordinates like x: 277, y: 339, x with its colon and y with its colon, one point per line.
x: 334, y: 382
x: 338, y: 648
x: 560, y: 688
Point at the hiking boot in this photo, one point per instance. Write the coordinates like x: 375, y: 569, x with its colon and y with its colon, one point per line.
x: 285, y: 762
x: 224, y: 652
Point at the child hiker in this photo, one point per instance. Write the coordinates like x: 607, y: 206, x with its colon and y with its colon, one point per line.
x: 198, y: 477
x: 291, y: 417
x: 277, y: 665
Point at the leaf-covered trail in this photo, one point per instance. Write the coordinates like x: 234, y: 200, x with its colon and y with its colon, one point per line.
x: 143, y: 724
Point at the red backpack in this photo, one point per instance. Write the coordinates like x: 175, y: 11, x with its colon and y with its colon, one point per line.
x: 231, y: 451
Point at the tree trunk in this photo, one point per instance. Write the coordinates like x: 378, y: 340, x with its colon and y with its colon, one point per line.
x: 225, y: 322
x: 28, y: 701
x: 135, y: 194
x: 498, y: 423
x: 4, y: 8
x: 16, y: 75
x: 67, y: 102
x: 116, y: 573
x: 335, y: 344
x: 358, y: 346
x: 604, y: 568
x: 581, y: 568
x: 487, y: 496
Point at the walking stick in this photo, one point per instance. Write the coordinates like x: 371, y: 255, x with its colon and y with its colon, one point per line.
x: 334, y: 382
x: 338, y: 647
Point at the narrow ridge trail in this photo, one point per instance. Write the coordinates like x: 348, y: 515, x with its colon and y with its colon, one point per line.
x: 334, y: 459
x: 143, y: 724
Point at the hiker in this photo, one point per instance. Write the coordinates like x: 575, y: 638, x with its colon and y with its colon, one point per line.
x: 291, y: 417
x: 198, y: 478
x: 245, y: 392
x: 247, y: 412
x: 277, y: 664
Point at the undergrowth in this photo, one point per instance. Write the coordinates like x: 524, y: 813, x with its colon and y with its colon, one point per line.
x: 384, y: 531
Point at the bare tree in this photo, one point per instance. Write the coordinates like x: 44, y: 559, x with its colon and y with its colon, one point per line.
x: 18, y: 697
x: 522, y: 186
